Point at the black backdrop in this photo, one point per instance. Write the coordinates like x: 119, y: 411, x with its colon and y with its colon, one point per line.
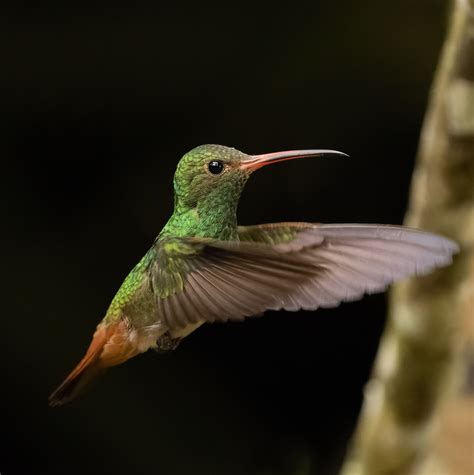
x: 98, y: 104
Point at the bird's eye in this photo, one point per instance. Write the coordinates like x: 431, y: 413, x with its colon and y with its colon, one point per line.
x: 215, y: 167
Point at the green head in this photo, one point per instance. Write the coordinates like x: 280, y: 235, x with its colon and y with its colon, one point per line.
x: 207, y: 186
x: 207, y: 173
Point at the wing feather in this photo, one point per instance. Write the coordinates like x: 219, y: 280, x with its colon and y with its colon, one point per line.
x: 356, y: 259
x: 287, y: 266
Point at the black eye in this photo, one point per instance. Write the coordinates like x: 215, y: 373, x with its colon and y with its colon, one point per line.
x: 215, y: 167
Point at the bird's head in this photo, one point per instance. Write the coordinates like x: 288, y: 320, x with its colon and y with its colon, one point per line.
x: 217, y: 174
x: 209, y: 171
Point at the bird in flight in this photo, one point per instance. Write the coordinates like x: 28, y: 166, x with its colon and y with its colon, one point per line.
x: 204, y: 267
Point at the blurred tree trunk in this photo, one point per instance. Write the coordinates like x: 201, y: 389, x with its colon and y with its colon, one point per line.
x: 418, y: 413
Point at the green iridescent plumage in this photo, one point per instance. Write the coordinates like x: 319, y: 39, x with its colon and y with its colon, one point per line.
x: 205, y: 206
x: 201, y: 209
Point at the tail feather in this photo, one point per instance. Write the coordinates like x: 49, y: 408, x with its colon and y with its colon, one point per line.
x: 111, y: 345
x: 74, y: 385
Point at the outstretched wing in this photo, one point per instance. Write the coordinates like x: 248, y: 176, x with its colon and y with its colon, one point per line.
x: 351, y: 259
x: 285, y: 266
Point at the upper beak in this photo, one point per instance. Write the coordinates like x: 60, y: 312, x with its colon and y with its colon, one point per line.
x: 253, y: 162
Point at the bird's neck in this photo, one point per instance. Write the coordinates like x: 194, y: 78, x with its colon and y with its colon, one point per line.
x: 210, y: 217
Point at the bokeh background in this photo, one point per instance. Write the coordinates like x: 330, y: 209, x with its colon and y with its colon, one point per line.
x: 97, y: 106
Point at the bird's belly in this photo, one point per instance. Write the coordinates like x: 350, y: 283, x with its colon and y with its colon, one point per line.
x: 146, y: 337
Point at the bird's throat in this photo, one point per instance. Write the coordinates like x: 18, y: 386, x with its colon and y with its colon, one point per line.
x: 218, y: 221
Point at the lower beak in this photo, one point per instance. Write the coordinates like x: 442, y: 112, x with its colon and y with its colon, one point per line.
x: 253, y: 162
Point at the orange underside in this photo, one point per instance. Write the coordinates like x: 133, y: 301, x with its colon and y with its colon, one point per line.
x: 110, y: 346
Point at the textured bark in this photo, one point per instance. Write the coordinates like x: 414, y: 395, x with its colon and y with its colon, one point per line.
x: 418, y: 413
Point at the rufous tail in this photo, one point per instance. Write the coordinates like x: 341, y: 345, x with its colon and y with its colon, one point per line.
x: 110, y: 346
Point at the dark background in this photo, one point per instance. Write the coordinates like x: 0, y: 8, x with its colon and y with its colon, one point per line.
x: 97, y: 106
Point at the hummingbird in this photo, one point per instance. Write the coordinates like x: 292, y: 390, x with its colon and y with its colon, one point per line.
x: 204, y: 267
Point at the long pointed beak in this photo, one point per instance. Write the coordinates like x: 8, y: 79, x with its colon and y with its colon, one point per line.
x: 253, y: 162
